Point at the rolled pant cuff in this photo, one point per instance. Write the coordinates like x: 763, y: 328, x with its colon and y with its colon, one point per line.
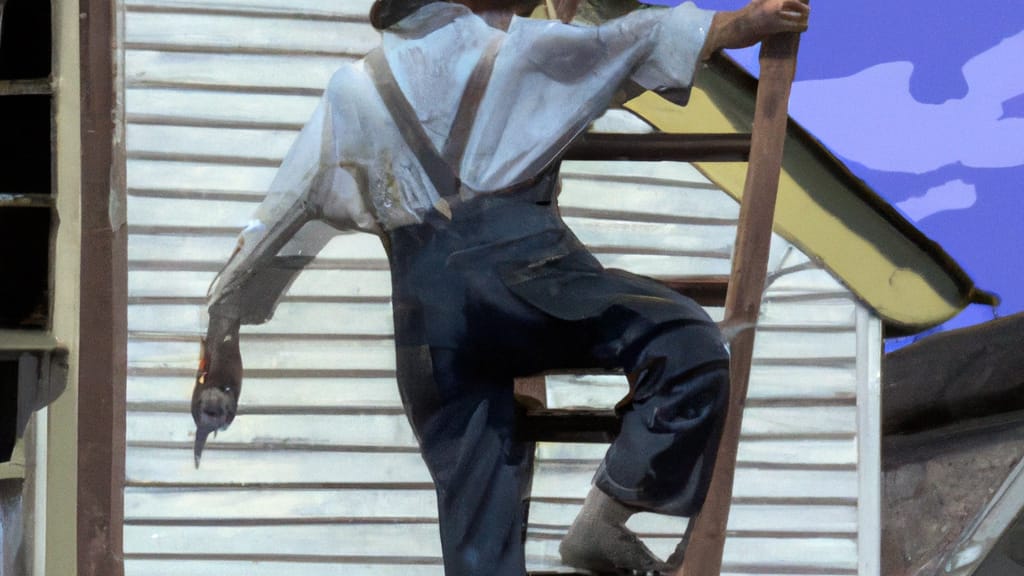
x: 683, y: 501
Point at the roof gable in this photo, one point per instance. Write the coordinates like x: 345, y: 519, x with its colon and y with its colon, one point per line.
x: 909, y: 280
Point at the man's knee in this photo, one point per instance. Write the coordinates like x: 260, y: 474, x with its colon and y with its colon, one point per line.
x: 685, y: 364
x: 681, y: 401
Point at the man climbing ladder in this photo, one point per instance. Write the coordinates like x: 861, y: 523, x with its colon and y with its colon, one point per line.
x: 445, y: 143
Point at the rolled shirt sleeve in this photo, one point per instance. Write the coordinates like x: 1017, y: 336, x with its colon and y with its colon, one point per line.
x: 552, y: 80
x: 676, y: 44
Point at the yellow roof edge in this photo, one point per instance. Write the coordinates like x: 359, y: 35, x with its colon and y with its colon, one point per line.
x: 823, y: 208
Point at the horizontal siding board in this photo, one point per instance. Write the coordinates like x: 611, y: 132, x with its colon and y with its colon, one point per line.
x: 789, y: 452
x: 821, y: 553
x: 823, y: 519
x: 149, y: 505
x: 666, y: 266
x: 263, y: 393
x: 800, y: 452
x: 365, y: 283
x: 230, y: 33
x: 355, y: 9
x: 269, y: 145
x: 751, y: 555
x: 767, y: 383
x: 149, y: 465
x: 309, y: 283
x: 260, y: 355
x: 345, y: 540
x: 760, y: 421
x: 272, y: 73
x: 644, y: 236
x: 753, y: 571
x: 356, y: 319
x: 175, y: 319
x: 818, y: 484
x: 180, y: 248
x: 192, y: 176
x: 573, y: 480
x: 779, y: 451
x: 825, y: 312
x: 176, y: 566
x: 167, y: 283
x: 782, y: 518
x: 773, y: 556
x: 256, y: 429
x: 656, y: 200
x: 810, y: 382
x: 207, y: 567
x: 216, y: 250
x: 807, y: 345
x: 817, y: 280
x: 192, y: 106
x: 671, y: 171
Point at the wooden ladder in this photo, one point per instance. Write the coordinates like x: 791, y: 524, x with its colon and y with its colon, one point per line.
x: 741, y: 292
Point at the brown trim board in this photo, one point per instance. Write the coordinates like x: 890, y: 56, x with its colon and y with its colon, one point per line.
x: 103, y: 316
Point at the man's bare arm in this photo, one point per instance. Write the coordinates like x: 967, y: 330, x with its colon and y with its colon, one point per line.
x: 755, y: 22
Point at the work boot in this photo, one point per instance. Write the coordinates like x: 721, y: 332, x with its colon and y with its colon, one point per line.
x: 599, y: 541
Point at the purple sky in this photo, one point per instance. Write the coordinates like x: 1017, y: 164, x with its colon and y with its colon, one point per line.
x: 926, y: 104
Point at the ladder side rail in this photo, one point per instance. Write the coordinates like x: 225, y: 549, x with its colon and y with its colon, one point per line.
x: 743, y: 301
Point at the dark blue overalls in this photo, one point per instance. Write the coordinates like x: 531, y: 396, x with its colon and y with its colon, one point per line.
x: 497, y: 287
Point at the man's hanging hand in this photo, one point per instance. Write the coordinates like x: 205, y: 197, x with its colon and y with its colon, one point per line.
x: 755, y: 22
x: 218, y: 381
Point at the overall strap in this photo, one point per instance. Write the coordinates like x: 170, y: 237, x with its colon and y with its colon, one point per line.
x: 440, y: 169
x: 472, y: 96
x: 440, y: 173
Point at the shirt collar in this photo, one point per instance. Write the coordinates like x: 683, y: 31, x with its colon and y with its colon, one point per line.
x: 429, y: 19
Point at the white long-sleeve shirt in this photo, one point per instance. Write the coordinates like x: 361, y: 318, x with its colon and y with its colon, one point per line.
x: 550, y: 80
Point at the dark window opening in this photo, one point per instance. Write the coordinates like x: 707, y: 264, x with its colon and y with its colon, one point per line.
x: 25, y: 39
x: 24, y: 267
x: 25, y: 148
x: 8, y: 407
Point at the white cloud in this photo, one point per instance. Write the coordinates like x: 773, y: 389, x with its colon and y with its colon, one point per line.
x: 953, y: 195
x: 872, y: 118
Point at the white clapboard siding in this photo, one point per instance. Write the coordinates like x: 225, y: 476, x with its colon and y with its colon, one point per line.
x: 233, y: 33
x: 217, y: 566
x: 156, y: 140
x: 338, y: 9
x: 274, y: 73
x: 212, y: 108
x: 263, y: 393
x: 319, y: 475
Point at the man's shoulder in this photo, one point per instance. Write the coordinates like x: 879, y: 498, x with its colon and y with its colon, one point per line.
x: 349, y: 76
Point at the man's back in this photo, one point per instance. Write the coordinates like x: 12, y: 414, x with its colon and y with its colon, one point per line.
x: 549, y: 82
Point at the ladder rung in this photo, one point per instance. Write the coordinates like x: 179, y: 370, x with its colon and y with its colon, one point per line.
x: 580, y: 425
x: 705, y: 290
x: 597, y: 146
